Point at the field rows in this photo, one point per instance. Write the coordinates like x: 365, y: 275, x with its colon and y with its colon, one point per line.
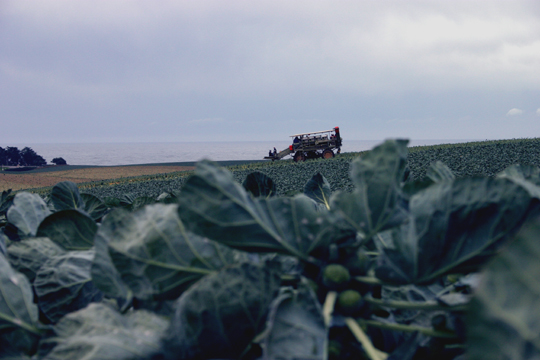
x: 469, y: 159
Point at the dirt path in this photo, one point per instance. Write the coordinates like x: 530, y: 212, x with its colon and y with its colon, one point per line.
x: 19, y: 181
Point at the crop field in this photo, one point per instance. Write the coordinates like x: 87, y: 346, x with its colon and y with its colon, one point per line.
x: 411, y: 254
x: 469, y: 159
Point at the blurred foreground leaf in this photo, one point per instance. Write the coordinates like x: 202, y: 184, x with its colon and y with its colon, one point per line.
x: 214, y: 205
x: 503, y: 319
x: 295, y: 326
x: 71, y: 229
x: 27, y: 212
x: 259, y: 184
x: 156, y: 256
x: 452, y: 223
x: 377, y: 203
x: 63, y: 284
x: 218, y: 317
x: 99, y: 332
x: 18, y: 313
x: 28, y: 255
x: 318, y: 189
x: 438, y: 171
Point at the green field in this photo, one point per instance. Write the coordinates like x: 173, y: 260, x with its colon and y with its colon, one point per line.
x: 485, y: 158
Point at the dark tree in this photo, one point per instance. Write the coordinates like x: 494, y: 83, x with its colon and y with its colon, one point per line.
x: 3, y: 156
x: 13, y: 156
x: 29, y: 157
x: 59, y: 161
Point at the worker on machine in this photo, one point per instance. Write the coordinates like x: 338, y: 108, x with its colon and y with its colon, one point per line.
x: 296, y: 141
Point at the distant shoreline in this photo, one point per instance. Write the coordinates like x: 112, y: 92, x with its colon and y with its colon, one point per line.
x: 112, y: 154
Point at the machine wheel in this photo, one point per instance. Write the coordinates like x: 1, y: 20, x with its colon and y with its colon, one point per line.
x: 327, y: 154
x: 299, y: 156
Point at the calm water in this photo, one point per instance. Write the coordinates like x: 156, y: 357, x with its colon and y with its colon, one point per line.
x: 146, y: 153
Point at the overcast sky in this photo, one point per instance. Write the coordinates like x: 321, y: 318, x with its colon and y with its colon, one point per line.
x: 227, y: 70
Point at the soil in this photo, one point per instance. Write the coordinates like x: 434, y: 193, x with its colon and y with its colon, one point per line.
x: 21, y: 181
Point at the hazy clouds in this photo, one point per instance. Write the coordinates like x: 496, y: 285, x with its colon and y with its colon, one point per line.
x: 514, y: 112
x: 209, y: 70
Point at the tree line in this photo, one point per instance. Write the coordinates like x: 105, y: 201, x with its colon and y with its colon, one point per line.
x: 12, y: 156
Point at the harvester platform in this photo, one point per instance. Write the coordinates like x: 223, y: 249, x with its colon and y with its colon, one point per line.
x: 280, y: 155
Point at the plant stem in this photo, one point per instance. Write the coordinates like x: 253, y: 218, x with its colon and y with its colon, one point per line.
x: 288, y: 278
x: 361, y: 336
x: 408, y: 305
x: 328, y: 307
x: 408, y: 328
x: 369, y: 280
x: 372, y: 253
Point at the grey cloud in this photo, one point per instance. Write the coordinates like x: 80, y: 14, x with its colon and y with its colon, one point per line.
x: 76, y: 64
x: 514, y: 112
x: 224, y: 47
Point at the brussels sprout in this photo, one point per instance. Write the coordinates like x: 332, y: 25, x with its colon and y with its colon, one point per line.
x: 336, y: 276
x: 349, y: 302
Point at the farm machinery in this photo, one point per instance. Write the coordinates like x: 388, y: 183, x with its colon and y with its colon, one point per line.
x: 313, y: 145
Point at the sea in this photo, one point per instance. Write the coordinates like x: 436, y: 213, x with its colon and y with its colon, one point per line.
x: 112, y: 154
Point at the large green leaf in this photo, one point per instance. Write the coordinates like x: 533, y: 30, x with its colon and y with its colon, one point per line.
x: 503, y: 318
x: 3, y: 249
x: 438, y: 171
x: 63, y: 284
x: 99, y: 332
x: 18, y: 313
x: 126, y: 201
x: 6, y: 199
x: 168, y: 197
x: 212, y: 204
x: 70, y: 229
x: 104, y: 273
x: 318, y: 189
x: 111, y: 202
x: 28, y: 255
x: 259, y: 184
x: 142, y: 201
x: 65, y: 195
x: 27, y: 212
x: 157, y: 256
x: 452, y: 223
x: 219, y: 316
x: 295, y: 328
x: 93, y: 206
x: 524, y: 172
x: 378, y: 202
